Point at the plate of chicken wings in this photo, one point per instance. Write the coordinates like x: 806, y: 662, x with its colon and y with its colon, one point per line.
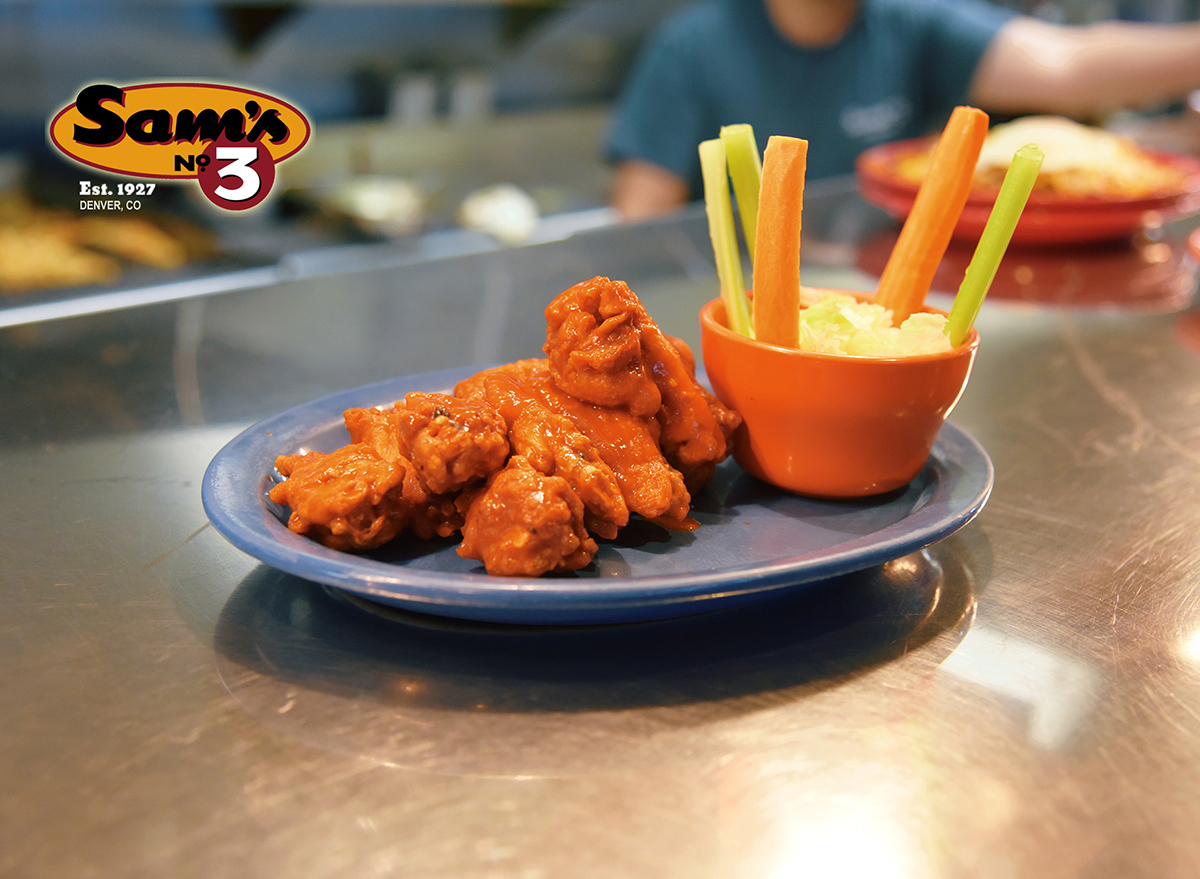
x: 590, y: 486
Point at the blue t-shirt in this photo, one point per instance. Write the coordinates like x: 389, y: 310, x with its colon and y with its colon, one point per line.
x: 898, y: 72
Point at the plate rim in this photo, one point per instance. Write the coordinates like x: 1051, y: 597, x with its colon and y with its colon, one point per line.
x: 255, y: 530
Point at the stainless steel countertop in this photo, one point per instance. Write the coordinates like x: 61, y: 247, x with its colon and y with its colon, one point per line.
x: 1019, y: 700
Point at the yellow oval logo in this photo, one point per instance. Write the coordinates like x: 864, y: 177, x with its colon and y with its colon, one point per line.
x: 161, y: 129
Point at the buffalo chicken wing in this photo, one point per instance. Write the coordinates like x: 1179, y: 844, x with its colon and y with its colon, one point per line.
x: 531, y: 461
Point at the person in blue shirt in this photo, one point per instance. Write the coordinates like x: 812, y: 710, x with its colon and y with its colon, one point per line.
x: 850, y: 74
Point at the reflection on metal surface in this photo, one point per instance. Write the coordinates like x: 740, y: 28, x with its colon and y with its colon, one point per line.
x: 117, y: 300
x: 482, y: 699
x: 724, y: 748
x: 1189, y: 646
x: 495, y: 303
x: 1059, y: 691
x: 1187, y: 332
x: 189, y: 330
x: 854, y: 839
x: 1144, y: 274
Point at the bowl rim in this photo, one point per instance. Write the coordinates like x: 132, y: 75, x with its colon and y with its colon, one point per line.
x: 708, y: 319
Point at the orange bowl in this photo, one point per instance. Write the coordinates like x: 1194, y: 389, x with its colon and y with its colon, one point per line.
x: 827, y: 425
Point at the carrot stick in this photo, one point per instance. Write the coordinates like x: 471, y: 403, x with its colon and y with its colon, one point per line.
x: 777, y: 242
x: 922, y: 243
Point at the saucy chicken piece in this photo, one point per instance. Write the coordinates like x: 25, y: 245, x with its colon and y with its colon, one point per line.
x: 533, y: 460
x: 446, y: 443
x: 693, y: 438
x: 594, y: 342
x: 433, y: 515
x: 699, y: 470
x: 377, y: 428
x: 473, y: 388
x: 629, y: 445
x: 452, y: 442
x: 582, y: 324
x: 350, y: 500
x: 625, y: 442
x: 552, y: 445
x: 526, y: 523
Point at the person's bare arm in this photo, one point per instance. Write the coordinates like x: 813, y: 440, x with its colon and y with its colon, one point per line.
x: 642, y: 190
x: 1033, y: 66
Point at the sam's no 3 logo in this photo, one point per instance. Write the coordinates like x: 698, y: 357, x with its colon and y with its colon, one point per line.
x: 229, y: 139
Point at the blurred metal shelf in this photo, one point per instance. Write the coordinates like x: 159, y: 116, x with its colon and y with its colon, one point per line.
x: 148, y: 287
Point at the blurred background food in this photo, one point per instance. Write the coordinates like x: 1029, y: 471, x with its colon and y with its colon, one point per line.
x: 436, y: 99
x: 478, y: 118
x: 43, y: 246
x: 1082, y: 161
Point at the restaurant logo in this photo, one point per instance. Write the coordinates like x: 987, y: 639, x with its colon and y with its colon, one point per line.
x: 228, y: 139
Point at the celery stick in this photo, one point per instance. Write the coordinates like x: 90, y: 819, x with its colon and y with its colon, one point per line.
x: 719, y: 208
x: 745, y: 170
x: 1010, y: 202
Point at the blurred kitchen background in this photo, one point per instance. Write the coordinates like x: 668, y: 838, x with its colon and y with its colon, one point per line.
x: 434, y: 101
x: 428, y: 116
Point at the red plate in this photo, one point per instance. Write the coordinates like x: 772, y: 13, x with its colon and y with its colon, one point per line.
x: 1048, y: 218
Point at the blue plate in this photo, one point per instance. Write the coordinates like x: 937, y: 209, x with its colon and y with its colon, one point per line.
x: 753, y: 540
